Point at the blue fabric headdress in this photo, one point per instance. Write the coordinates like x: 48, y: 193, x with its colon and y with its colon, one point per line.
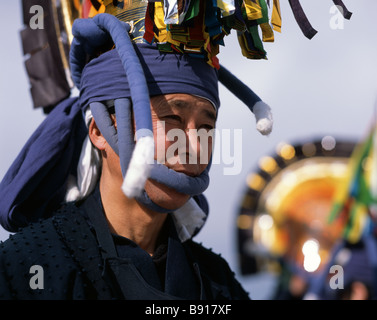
x: 112, y: 77
x: 37, y: 181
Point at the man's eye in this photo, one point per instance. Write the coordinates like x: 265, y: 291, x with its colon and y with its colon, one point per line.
x: 171, y: 118
x: 207, y: 127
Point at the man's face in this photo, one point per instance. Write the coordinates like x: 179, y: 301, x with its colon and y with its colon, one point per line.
x: 182, y: 126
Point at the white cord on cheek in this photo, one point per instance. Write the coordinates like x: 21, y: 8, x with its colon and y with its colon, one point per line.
x: 88, y: 169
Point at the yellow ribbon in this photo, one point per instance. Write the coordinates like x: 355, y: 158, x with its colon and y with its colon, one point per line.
x: 253, y: 10
x: 159, y: 17
x: 276, y: 16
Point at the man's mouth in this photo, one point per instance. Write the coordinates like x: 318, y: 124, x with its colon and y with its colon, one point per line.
x: 188, y: 173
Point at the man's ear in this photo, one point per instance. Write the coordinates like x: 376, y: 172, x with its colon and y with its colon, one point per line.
x: 96, y: 136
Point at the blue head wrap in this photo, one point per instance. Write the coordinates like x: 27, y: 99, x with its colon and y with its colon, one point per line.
x: 36, y: 183
x: 109, y: 77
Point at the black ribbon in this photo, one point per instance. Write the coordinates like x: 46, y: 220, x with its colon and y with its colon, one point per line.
x: 302, y: 20
x: 343, y: 9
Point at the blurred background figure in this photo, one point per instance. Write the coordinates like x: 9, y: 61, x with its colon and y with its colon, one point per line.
x: 305, y: 211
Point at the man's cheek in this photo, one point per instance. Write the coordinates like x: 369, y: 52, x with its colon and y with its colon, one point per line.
x: 160, y: 142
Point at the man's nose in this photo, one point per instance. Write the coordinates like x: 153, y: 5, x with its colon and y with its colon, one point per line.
x: 193, y: 142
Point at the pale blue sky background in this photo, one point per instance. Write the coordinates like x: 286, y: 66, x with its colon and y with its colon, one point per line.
x: 318, y: 87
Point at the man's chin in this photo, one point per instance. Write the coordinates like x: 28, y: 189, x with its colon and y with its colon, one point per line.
x: 164, y: 196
